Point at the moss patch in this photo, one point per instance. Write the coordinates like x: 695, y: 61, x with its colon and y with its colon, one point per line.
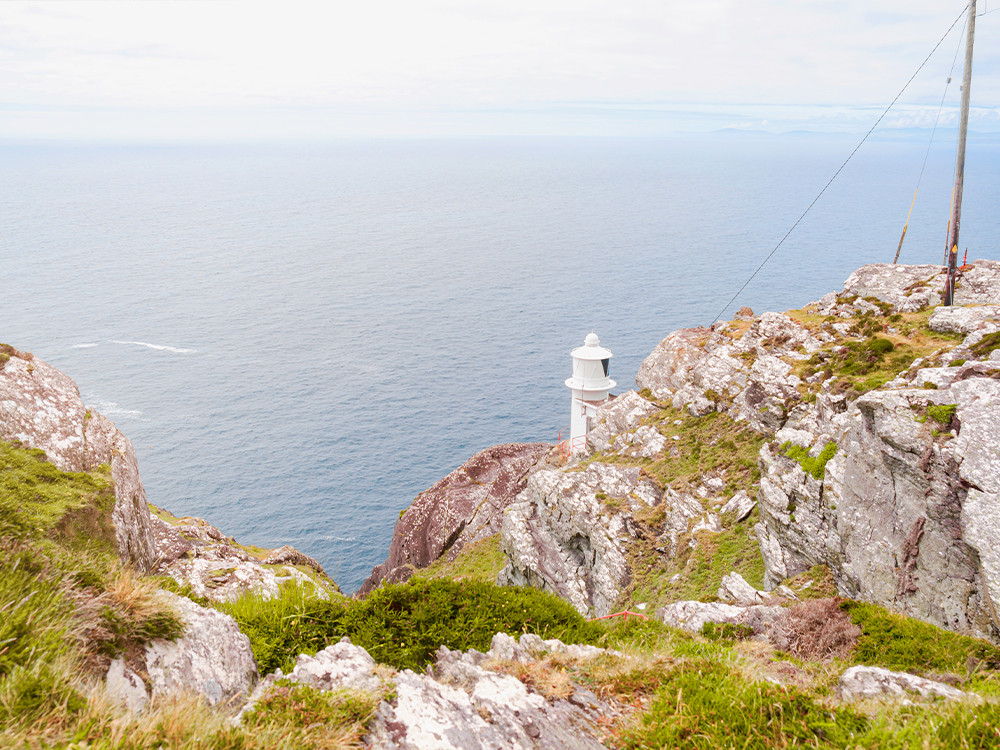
x: 480, y: 561
x: 812, y: 465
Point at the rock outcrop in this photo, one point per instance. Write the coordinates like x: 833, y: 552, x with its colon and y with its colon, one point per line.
x: 463, y: 701
x: 910, y: 288
x: 41, y: 408
x: 861, y: 682
x: 728, y: 369
x: 692, y: 616
x: 464, y: 507
x: 904, y: 513
x: 196, y: 554
x: 213, y: 658
x: 569, y: 532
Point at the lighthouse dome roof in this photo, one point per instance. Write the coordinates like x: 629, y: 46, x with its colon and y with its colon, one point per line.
x: 591, y: 349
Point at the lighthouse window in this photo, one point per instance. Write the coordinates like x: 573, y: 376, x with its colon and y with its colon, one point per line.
x: 604, y: 363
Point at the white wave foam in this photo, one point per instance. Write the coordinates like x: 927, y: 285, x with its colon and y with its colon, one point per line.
x: 157, y: 347
x: 110, y: 409
x: 340, y: 539
x: 82, y: 346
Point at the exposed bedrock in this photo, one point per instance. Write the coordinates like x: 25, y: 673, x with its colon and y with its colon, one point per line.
x: 464, y: 507
x: 906, y: 512
x: 909, y: 288
x: 41, y: 407
x: 569, y: 532
x: 726, y: 369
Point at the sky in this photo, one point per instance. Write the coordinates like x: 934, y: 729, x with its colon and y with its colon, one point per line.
x: 194, y: 70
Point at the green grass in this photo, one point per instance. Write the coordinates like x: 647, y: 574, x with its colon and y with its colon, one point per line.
x: 815, y: 583
x: 36, y: 497
x: 711, y: 443
x: 404, y: 624
x: 895, y: 641
x: 706, y: 704
x: 67, y: 604
x: 297, y: 705
x: 700, y: 570
x: 986, y: 345
x: 480, y: 561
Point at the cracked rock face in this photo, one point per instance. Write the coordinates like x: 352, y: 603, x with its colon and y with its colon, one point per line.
x: 620, y: 419
x: 569, y: 532
x: 462, y: 702
x: 41, y: 407
x: 213, y: 658
x: 720, y: 369
x: 464, y: 507
x: 910, y: 288
x: 904, y: 517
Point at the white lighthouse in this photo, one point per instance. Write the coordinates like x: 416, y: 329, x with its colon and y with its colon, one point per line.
x: 590, y: 385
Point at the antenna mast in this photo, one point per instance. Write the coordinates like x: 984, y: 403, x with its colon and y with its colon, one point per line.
x: 956, y: 211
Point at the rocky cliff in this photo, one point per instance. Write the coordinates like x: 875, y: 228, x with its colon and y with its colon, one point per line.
x: 461, y: 509
x: 41, y: 408
x: 872, y: 419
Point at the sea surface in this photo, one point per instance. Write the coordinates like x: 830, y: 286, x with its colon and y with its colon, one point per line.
x: 298, y: 339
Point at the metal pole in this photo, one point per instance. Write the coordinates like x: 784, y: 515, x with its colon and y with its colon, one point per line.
x: 956, y: 215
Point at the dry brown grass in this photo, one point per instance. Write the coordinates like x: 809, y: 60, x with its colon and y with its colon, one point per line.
x: 816, y: 630
x: 548, y: 677
x: 182, y: 723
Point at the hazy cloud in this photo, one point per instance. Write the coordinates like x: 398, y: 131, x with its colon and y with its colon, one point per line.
x: 187, y: 67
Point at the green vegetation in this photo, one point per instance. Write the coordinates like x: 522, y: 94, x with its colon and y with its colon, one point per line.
x: 815, y: 583
x: 895, y: 641
x: 7, y: 351
x: 942, y: 413
x: 699, y: 570
x: 702, y: 693
x: 36, y: 497
x: 884, y: 351
x: 726, y: 631
x: 404, y: 624
x: 714, y: 442
x: 479, y: 561
x: 302, y: 710
x: 813, y: 465
x: 705, y: 704
x: 67, y: 604
x: 986, y: 345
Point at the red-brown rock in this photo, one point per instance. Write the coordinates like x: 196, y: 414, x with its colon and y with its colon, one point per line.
x: 464, y: 507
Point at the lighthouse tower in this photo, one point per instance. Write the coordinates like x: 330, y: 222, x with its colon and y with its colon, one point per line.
x: 590, y: 385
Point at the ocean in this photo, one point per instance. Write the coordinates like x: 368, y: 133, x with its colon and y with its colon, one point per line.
x: 300, y: 338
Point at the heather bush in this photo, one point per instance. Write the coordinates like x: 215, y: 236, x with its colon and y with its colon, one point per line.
x: 817, y: 630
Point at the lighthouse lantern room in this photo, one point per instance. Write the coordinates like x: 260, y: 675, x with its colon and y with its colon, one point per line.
x: 590, y: 385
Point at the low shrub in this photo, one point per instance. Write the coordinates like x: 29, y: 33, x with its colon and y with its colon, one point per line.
x: 404, y: 624
x: 816, y: 630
